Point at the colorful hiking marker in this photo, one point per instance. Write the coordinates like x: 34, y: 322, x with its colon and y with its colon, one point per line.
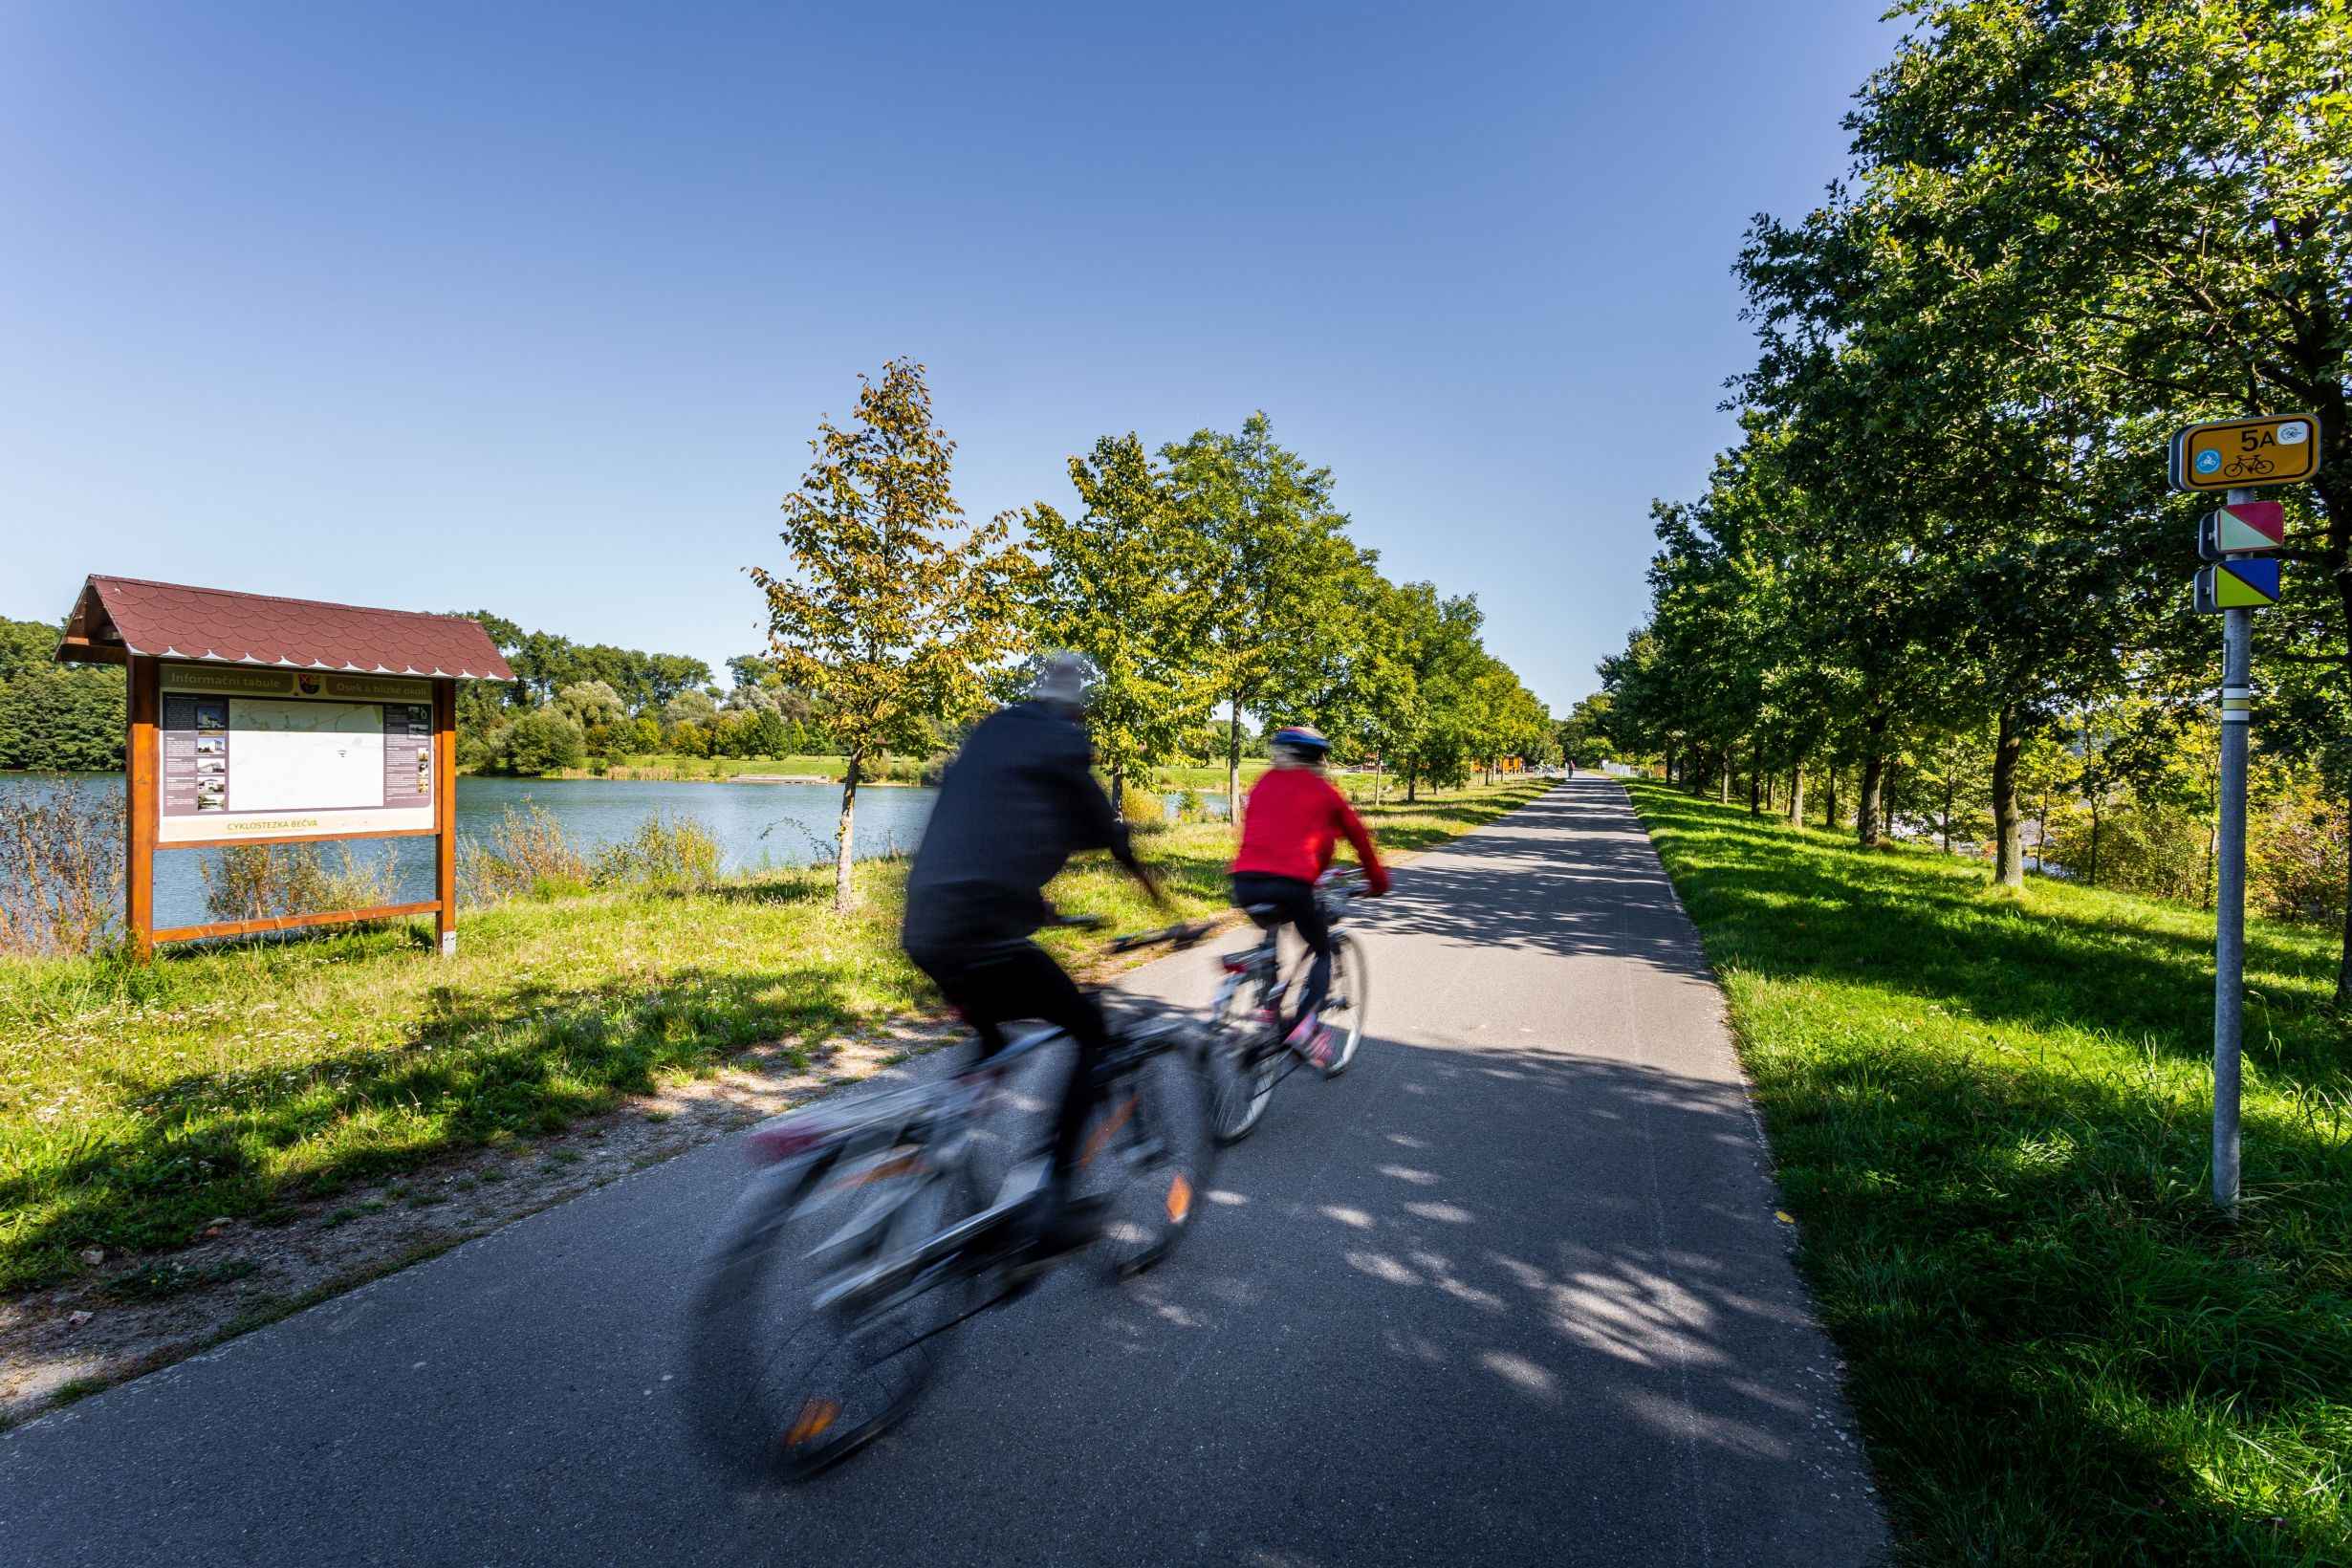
x: 2239, y: 583
x: 2242, y: 527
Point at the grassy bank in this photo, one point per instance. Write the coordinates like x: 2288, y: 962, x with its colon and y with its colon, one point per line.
x: 1990, y: 1114
x: 138, y: 1104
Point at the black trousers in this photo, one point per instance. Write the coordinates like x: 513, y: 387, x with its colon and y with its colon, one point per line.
x: 1293, y: 902
x: 1019, y: 982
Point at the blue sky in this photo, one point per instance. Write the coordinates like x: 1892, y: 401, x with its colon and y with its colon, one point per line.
x: 536, y: 307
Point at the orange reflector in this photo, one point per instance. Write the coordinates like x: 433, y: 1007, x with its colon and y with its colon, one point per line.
x: 815, y: 1417
x: 1108, y: 1125
x: 1179, y: 1198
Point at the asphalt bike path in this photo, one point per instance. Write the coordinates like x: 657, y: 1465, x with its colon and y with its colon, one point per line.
x: 1511, y: 1290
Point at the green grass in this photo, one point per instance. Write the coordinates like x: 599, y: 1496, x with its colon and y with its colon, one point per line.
x: 1990, y: 1114
x: 135, y: 1105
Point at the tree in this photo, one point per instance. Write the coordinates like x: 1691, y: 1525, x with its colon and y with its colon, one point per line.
x: 1126, y: 584
x: 588, y: 702
x: 1278, y: 552
x: 543, y: 741
x: 892, y: 609
x: 66, y: 718
x: 689, y: 706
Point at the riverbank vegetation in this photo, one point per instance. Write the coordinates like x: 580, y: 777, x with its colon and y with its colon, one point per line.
x: 138, y: 1104
x: 1940, y: 589
x: 56, y: 718
x: 1988, y: 1113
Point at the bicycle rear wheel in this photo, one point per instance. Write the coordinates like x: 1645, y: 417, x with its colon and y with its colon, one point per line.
x: 1242, y: 1072
x: 779, y: 1387
x: 1343, y: 1008
x: 1150, y: 1146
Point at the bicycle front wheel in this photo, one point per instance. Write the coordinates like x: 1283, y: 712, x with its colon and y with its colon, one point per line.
x: 1150, y: 1146
x: 1343, y: 1009
x: 781, y: 1387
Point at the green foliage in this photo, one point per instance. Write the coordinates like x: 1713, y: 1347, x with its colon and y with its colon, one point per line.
x: 892, y: 610
x: 542, y: 741
x: 664, y: 852
x: 61, y: 718
x: 61, y: 862
x: 2069, y: 228
x: 1128, y: 584
x: 266, y: 882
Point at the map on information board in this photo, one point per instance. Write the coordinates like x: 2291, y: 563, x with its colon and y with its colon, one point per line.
x: 255, y: 754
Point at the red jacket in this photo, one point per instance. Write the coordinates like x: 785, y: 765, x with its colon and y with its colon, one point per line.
x: 1294, y: 819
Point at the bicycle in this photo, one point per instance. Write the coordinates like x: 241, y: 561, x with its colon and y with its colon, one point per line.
x: 825, y: 1306
x: 1248, y: 1057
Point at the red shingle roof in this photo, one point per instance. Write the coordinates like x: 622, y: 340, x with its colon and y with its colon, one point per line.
x: 211, y: 625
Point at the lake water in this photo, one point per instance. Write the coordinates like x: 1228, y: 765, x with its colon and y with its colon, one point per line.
x: 755, y: 824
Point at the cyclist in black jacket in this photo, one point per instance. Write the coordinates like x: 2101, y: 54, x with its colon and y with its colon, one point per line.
x: 1019, y: 799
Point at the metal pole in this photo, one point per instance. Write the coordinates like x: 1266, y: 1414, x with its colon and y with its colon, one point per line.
x: 2230, y: 895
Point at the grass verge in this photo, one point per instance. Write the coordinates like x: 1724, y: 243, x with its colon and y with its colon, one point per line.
x: 136, y: 1105
x: 1990, y: 1114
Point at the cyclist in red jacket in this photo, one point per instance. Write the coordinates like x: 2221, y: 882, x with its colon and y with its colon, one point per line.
x: 1294, y: 821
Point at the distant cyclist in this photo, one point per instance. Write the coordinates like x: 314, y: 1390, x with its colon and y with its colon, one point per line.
x: 1293, y: 822
x: 1019, y: 799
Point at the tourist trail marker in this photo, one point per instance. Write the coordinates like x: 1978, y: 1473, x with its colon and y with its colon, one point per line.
x: 2239, y: 540
x: 2247, y: 528
x: 2232, y: 455
x: 2242, y: 582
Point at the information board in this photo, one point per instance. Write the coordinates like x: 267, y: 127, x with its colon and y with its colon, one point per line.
x: 264, y: 753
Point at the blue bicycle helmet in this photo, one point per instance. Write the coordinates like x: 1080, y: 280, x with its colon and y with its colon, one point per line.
x: 1302, y: 742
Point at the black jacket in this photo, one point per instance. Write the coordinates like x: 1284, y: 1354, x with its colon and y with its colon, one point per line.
x: 1018, y: 801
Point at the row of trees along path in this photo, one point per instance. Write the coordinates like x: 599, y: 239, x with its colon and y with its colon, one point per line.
x: 2068, y: 229
x: 1216, y: 571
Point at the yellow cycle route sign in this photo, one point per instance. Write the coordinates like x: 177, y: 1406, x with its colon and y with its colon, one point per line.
x: 2226, y: 454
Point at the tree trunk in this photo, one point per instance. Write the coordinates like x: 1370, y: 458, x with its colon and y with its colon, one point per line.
x: 1867, y: 810
x: 2090, y: 878
x: 1829, y: 801
x: 1887, y: 797
x: 844, y: 896
x: 1233, y: 766
x: 1797, y: 796
x: 1723, y: 787
x: 1119, y: 788
x: 1755, y: 779
x: 2008, y: 846
x: 1949, y: 787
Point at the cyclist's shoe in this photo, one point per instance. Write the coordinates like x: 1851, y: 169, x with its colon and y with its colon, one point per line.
x: 1312, y: 1041
x: 1060, y: 1222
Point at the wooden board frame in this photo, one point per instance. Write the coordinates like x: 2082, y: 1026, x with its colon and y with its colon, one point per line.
x: 142, y: 813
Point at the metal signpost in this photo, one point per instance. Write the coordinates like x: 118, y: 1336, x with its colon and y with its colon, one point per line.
x: 2233, y: 456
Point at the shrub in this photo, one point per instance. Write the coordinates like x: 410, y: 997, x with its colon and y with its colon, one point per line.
x: 265, y: 881
x: 526, y: 854
x: 61, y: 862
x: 664, y: 852
x: 543, y: 741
